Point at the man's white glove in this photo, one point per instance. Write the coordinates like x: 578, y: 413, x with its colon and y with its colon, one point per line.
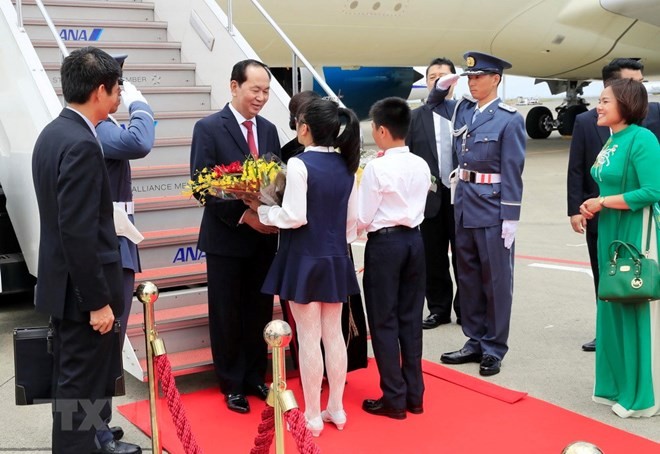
x: 130, y: 94
x: 509, y: 232
x: 446, y: 81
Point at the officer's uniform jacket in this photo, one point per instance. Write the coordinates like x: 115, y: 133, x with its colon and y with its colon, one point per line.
x: 119, y: 146
x: 493, y: 144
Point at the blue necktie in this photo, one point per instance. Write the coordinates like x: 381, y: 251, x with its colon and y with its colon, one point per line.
x: 475, y: 115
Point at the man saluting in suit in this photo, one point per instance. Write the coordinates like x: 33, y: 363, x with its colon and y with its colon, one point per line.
x: 79, y: 274
x: 239, y: 248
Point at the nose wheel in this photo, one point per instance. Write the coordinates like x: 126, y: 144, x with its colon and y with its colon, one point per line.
x: 539, y: 122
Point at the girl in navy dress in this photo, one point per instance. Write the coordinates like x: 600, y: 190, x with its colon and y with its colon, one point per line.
x: 312, y: 268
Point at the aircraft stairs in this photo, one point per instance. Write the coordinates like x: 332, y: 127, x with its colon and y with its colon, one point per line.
x: 183, y: 80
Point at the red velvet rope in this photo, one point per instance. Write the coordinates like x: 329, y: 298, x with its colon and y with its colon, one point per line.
x: 178, y: 412
x: 301, y: 434
x: 297, y: 426
x: 265, y: 433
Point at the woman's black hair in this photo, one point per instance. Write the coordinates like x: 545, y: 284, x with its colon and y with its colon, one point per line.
x: 298, y: 102
x: 323, y: 117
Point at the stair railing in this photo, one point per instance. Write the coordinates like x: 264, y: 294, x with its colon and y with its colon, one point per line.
x: 49, y: 22
x: 295, y: 53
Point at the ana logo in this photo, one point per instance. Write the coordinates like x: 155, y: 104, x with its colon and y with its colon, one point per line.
x: 73, y: 34
x: 188, y: 254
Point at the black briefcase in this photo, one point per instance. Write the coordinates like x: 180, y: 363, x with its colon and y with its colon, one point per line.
x: 33, y: 365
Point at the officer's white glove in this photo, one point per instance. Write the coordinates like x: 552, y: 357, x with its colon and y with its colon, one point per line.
x: 130, y: 94
x: 509, y: 232
x: 446, y: 81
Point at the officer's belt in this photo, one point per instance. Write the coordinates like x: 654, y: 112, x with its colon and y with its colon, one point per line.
x: 127, y: 207
x: 480, y: 178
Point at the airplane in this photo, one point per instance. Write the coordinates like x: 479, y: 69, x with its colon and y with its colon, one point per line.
x: 564, y: 43
x: 653, y: 88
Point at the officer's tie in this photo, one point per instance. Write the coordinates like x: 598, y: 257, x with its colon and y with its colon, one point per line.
x: 475, y: 115
x: 250, y: 139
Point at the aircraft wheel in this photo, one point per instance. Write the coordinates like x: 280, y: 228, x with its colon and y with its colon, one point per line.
x: 567, y: 119
x: 539, y: 122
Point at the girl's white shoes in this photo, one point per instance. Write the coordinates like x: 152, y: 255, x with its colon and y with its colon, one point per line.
x: 337, y: 418
x: 315, y: 426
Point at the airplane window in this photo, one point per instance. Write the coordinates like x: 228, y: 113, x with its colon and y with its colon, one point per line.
x: 397, y: 7
x: 376, y: 6
x: 353, y: 5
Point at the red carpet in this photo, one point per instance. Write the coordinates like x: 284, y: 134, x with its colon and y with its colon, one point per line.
x: 463, y: 415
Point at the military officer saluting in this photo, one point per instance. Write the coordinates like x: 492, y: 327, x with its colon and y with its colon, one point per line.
x: 489, y: 141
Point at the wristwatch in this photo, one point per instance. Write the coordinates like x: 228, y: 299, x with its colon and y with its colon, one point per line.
x: 601, y: 201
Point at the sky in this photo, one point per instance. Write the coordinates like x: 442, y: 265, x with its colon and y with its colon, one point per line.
x: 524, y: 86
x: 519, y: 86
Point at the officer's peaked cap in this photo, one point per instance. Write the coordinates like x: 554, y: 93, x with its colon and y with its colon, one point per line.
x: 477, y: 63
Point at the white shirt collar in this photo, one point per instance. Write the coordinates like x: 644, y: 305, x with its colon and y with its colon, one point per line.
x: 89, y: 123
x: 240, y: 118
x: 397, y: 150
x: 483, y: 108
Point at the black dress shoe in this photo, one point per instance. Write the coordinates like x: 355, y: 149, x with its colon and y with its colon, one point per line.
x: 589, y: 346
x: 117, y: 433
x: 261, y: 391
x: 237, y: 403
x: 489, y: 366
x: 434, y: 320
x: 415, y: 409
x: 118, y: 447
x: 461, y: 356
x: 379, y: 408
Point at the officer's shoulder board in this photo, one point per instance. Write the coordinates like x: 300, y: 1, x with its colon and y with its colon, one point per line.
x: 507, y: 107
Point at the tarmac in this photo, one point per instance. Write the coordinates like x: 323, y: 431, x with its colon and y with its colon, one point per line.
x: 553, y: 315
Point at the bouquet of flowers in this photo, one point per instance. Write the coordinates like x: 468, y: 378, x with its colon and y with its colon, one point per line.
x: 261, y: 178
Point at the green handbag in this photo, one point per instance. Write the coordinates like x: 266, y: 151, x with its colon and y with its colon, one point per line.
x: 630, y: 277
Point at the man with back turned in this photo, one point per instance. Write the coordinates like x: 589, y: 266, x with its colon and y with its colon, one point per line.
x: 79, y: 273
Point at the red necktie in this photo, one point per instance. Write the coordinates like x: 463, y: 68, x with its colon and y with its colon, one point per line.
x: 250, y: 139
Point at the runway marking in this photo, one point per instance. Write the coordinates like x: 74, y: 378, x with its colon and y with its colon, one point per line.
x: 552, y: 260
x: 562, y: 268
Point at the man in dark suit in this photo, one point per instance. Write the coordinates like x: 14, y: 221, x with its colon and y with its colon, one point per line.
x: 120, y: 145
x: 587, y: 141
x: 430, y: 138
x: 79, y: 273
x: 239, y: 249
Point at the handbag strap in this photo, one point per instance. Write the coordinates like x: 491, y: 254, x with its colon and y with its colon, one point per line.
x: 649, y: 226
x: 616, y: 248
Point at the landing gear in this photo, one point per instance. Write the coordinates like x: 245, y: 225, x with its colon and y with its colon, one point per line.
x: 539, y: 123
x: 566, y: 118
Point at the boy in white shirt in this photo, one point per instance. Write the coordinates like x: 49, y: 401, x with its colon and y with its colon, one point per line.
x: 391, y: 201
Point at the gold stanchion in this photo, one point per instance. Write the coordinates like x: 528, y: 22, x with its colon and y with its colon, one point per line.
x: 147, y: 293
x: 581, y: 447
x: 278, y: 335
